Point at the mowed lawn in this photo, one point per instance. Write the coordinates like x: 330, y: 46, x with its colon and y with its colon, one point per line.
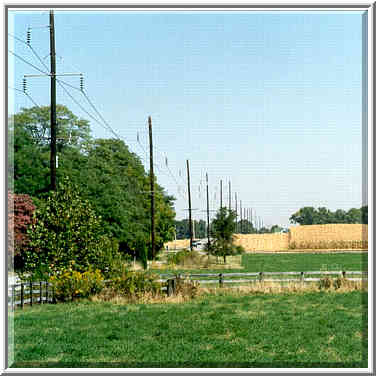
x: 316, y: 329
x: 290, y: 262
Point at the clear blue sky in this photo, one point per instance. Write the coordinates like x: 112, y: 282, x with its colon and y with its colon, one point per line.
x: 269, y: 100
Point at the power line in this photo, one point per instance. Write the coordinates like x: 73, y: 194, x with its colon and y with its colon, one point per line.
x: 21, y: 91
x: 27, y: 62
x: 105, y: 124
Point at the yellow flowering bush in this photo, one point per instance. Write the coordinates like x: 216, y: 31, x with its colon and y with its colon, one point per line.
x: 70, y: 284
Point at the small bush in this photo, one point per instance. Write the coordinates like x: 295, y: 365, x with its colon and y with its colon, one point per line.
x: 71, y: 284
x: 186, y: 287
x: 325, y: 283
x: 341, y: 282
x: 239, y: 250
x: 186, y: 258
x: 135, y: 283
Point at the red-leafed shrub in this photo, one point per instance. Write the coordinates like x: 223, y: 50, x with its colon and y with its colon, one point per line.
x: 20, y: 216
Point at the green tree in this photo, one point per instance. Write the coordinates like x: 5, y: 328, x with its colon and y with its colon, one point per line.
x: 30, y: 132
x: 66, y: 228
x: 115, y: 182
x: 223, y: 229
x: 304, y: 216
x: 109, y: 176
x: 275, y: 228
x: 322, y: 215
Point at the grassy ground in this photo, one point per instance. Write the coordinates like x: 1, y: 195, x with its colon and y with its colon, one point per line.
x: 317, y: 329
x: 283, y: 262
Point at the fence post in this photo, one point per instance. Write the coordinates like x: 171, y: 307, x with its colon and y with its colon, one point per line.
x: 343, y: 274
x: 261, y: 276
x: 31, y: 293
x: 40, y: 293
x: 220, y: 280
x: 302, y: 277
x: 22, y: 295
x: 170, y: 286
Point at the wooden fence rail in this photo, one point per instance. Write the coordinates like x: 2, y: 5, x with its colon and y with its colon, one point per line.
x: 42, y: 292
x: 221, y: 278
x: 31, y: 293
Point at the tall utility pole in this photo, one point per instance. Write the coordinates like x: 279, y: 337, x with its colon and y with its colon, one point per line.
x: 190, y: 209
x: 251, y: 218
x: 241, y: 218
x: 229, y: 195
x: 53, y: 102
x: 207, y: 207
x: 221, y: 194
x: 236, y: 212
x: 152, y: 190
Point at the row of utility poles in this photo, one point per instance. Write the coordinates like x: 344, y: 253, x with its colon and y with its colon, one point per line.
x: 244, y: 213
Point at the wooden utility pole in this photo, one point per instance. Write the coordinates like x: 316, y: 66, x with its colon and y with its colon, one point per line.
x: 53, y: 103
x: 221, y: 193
x: 152, y: 190
x: 207, y: 208
x: 229, y: 195
x: 241, y: 218
x: 236, y: 211
x: 190, y: 209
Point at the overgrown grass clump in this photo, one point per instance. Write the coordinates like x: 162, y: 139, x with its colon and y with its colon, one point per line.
x: 311, y: 329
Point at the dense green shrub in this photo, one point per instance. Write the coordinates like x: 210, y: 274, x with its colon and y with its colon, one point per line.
x: 67, y: 229
x: 69, y: 284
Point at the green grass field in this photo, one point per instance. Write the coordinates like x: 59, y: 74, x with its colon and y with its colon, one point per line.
x: 290, y: 262
x: 317, y: 329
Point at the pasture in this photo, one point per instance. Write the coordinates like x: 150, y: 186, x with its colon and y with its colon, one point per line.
x: 290, y: 262
x: 312, y: 329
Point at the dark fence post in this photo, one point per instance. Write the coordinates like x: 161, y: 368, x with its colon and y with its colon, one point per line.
x: 220, y: 280
x: 343, y: 274
x: 31, y: 293
x: 302, y: 277
x: 22, y: 295
x: 40, y: 293
x: 170, y: 286
x: 261, y: 276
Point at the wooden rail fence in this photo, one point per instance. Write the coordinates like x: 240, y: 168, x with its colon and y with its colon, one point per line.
x: 222, y: 278
x: 42, y: 292
x: 31, y: 293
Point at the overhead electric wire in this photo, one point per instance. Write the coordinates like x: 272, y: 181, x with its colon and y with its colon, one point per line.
x: 27, y: 62
x: 104, y: 123
x: 23, y: 92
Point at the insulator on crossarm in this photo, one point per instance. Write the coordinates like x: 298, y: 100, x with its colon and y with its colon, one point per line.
x: 81, y: 83
x: 28, y: 36
x: 24, y: 85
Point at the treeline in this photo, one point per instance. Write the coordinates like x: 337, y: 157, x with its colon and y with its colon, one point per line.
x: 200, y: 230
x: 311, y: 216
x: 110, y: 177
